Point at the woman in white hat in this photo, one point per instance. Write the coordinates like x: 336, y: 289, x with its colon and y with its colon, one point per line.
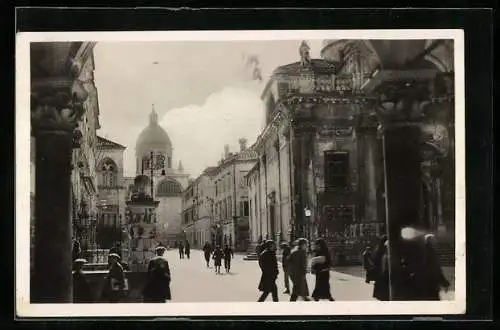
x: 114, y: 284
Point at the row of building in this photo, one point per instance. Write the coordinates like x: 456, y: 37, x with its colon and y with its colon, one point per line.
x: 99, y: 187
x: 319, y: 167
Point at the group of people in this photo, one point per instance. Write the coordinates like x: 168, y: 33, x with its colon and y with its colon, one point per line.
x: 218, y: 254
x: 420, y: 276
x: 295, y: 268
x: 184, y: 249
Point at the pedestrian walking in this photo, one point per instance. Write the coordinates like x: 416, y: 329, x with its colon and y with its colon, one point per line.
x: 285, y: 262
x: 180, y: 246
x: 368, y: 264
x: 157, y: 288
x: 434, y: 279
x: 82, y: 292
x: 217, y: 256
x: 421, y: 276
x: 187, y: 249
x: 298, y: 271
x: 320, y: 266
x: 207, y: 250
x: 228, y: 255
x: 381, y: 271
x: 115, y: 283
x: 269, y: 266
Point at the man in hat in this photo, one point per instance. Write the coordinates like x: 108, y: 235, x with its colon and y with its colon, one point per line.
x: 269, y: 265
x: 285, y: 262
x: 157, y: 289
x: 81, y: 288
x: 298, y: 271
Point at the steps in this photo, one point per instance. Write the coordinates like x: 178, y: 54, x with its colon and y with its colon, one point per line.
x: 251, y: 255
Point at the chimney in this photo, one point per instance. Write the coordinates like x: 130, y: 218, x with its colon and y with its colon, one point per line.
x: 226, y: 150
x: 243, y: 144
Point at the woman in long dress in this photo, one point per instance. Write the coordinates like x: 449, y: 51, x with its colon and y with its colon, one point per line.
x: 320, y: 266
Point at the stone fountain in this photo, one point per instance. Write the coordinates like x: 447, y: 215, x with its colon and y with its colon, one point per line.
x: 141, y: 225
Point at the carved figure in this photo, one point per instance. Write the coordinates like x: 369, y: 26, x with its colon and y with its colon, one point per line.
x: 305, y: 57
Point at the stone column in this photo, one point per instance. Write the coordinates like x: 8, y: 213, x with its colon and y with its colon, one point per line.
x: 53, y: 124
x: 403, y: 181
x: 371, y: 176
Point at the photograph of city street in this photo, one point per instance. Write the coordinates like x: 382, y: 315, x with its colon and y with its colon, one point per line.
x: 201, y: 171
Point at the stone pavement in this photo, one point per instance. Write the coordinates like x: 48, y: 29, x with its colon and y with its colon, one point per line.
x: 192, y: 281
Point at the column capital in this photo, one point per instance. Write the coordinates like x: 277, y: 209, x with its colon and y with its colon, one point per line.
x: 57, y: 104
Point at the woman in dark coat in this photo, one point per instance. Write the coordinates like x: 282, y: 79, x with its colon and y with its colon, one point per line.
x: 321, y: 268
x: 207, y: 250
x: 381, y: 262
x: 269, y: 265
x: 217, y: 256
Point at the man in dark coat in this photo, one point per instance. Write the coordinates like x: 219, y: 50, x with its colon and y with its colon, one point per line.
x: 157, y: 289
x: 381, y: 263
x: 180, y: 246
x: 207, y: 251
x: 421, y: 276
x: 228, y: 255
x: 298, y: 271
x: 187, y: 249
x: 269, y: 265
x: 81, y: 287
x: 368, y: 265
x: 285, y: 262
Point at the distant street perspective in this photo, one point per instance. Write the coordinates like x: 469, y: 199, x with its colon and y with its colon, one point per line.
x: 245, y: 171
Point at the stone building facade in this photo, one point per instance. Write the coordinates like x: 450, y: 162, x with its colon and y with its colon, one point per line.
x: 221, y: 191
x: 198, y: 210
x: 112, y: 192
x: 328, y: 131
x: 64, y: 113
x: 83, y: 177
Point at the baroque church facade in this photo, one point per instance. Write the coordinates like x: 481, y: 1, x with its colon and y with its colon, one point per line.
x: 154, y: 158
x: 338, y: 139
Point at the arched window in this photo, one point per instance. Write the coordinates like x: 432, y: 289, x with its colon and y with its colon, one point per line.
x: 109, y: 173
x: 169, y: 188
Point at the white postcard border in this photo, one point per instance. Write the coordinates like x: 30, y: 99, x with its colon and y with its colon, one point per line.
x: 22, y: 239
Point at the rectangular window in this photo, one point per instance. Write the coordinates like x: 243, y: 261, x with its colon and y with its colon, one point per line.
x: 245, y: 209
x: 336, y: 170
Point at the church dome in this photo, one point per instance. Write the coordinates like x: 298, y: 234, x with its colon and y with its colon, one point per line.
x: 153, y: 135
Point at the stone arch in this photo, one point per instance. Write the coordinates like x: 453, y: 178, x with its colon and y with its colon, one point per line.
x: 108, y: 170
x: 169, y: 188
x: 395, y: 54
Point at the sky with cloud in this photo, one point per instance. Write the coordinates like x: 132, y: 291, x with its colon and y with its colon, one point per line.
x: 202, y: 91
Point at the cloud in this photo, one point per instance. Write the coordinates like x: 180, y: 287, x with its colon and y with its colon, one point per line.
x: 199, y: 133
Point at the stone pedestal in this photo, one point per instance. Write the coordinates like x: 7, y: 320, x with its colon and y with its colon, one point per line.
x: 52, y: 280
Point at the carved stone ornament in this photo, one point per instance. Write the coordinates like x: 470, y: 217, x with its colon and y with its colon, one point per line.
x: 59, y: 112
x: 77, y: 138
x: 403, y: 101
